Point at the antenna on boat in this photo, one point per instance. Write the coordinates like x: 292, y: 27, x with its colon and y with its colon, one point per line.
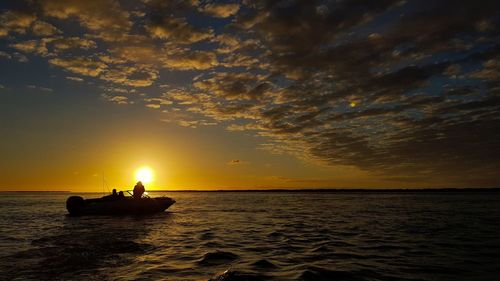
x: 104, y: 183
x: 102, y: 173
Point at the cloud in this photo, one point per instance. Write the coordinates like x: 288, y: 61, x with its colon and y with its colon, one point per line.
x: 103, y: 16
x: 176, y: 116
x: 157, y: 102
x: 5, y: 55
x: 186, y: 59
x: 15, y: 21
x: 221, y: 10
x: 153, y: 106
x: 16, y: 56
x: 177, y: 30
x: 236, y: 162
x: 232, y: 85
x: 135, y: 76
x: 32, y: 46
x: 52, y: 46
x: 228, y: 43
x: 172, y: 57
x: 66, y: 43
x: 245, y: 127
x: 119, y: 90
x: 388, y: 87
x: 41, y: 28
x: 20, y: 57
x: 73, y: 78
x: 188, y: 123
x: 141, y: 52
x: 490, y: 70
x: 182, y: 97
x: 116, y: 99
x: 40, y: 88
x: 402, y: 117
x: 80, y: 65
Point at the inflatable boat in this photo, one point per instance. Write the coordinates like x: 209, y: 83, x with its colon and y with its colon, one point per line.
x: 107, y: 205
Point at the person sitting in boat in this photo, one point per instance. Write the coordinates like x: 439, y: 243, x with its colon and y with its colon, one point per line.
x: 112, y: 196
x: 121, y: 195
x: 138, y: 190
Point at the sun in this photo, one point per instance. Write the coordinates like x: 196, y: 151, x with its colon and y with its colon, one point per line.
x: 144, y: 174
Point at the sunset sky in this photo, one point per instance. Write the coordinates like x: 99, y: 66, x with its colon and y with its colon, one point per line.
x: 251, y: 94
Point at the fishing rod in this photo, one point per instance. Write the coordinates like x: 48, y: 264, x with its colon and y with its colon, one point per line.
x: 104, y: 183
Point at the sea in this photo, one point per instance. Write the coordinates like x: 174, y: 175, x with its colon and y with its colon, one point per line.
x: 257, y: 236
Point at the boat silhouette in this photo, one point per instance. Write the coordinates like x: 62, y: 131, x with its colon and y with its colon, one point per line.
x: 114, y: 205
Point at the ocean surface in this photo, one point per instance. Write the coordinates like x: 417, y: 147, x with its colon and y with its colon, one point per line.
x: 257, y: 236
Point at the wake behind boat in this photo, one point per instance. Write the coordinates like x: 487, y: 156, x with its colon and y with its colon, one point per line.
x: 114, y: 204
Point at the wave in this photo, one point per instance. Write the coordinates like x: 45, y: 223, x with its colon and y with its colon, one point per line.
x: 206, y: 236
x: 289, y: 242
x: 263, y: 264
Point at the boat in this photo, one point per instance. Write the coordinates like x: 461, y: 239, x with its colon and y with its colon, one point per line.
x: 114, y: 205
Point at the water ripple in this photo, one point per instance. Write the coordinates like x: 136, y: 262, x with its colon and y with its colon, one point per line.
x: 257, y: 236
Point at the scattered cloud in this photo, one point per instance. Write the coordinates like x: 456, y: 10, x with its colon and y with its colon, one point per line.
x: 66, y: 43
x: 39, y: 88
x: 177, y: 30
x: 185, y: 60
x: 15, y: 22
x: 389, y: 122
x: 116, y: 99
x: 19, y: 57
x: 5, y: 55
x: 221, y: 10
x: 159, y: 101
x: 73, y: 78
x: 233, y: 85
x: 119, y: 90
x: 41, y: 28
x: 135, y: 76
x: 153, y: 106
x: 237, y: 162
x: 80, y: 65
x: 101, y: 16
x: 389, y: 87
x: 32, y: 46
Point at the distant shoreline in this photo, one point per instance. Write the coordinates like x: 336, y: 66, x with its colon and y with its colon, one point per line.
x: 346, y: 190
x: 39, y: 191
x: 330, y: 190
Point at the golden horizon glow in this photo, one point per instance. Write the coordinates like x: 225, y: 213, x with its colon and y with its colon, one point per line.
x: 145, y: 175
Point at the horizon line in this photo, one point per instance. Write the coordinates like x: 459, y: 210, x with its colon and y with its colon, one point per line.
x: 429, y: 189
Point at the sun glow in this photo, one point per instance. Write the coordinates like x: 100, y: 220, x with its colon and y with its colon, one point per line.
x: 144, y: 174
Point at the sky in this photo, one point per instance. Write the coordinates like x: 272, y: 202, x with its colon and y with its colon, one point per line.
x: 249, y: 94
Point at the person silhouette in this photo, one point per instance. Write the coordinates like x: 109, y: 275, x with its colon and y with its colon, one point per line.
x: 138, y: 190
x: 111, y: 197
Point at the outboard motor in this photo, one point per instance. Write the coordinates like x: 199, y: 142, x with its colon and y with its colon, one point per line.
x: 75, y: 205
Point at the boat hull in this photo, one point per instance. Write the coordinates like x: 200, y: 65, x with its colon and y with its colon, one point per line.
x: 77, y: 206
